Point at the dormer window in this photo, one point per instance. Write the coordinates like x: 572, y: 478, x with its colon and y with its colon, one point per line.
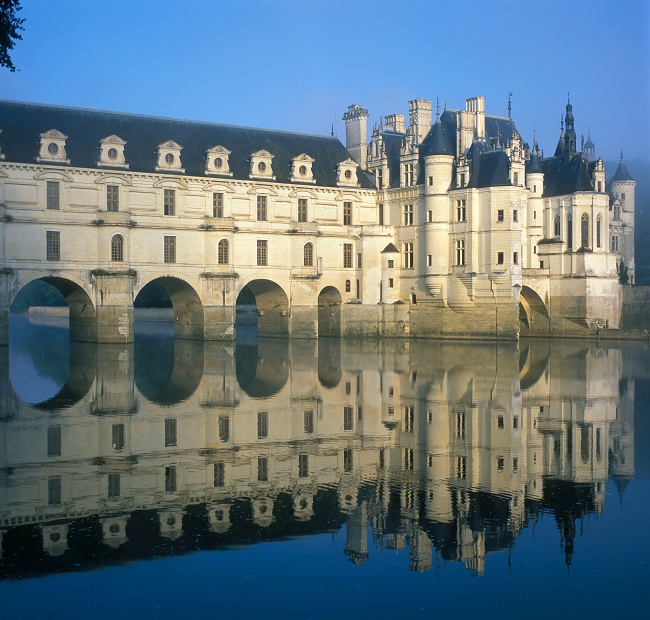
x: 111, y: 152
x: 216, y: 161
x: 53, y: 147
x: 169, y: 157
x: 301, y: 169
x: 261, y: 165
x: 346, y: 173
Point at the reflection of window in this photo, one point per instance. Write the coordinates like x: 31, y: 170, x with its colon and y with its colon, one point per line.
x: 262, y: 468
x: 460, y: 425
x: 54, y: 441
x: 303, y: 465
x: 170, y: 479
x: 308, y: 419
x: 262, y: 424
x: 461, y: 467
x: 113, y: 485
x: 224, y: 428
x: 408, y: 458
x: 54, y: 490
x: 117, y: 436
x: 170, y: 432
x: 348, y: 455
x: 348, y: 418
x: 409, y: 418
x: 500, y: 463
x: 219, y: 474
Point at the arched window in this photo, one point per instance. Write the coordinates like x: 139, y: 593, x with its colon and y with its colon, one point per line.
x: 556, y: 230
x: 117, y: 248
x: 569, y: 231
x: 584, y: 231
x: 308, y: 255
x: 599, y: 222
x: 348, y: 287
x: 222, y: 252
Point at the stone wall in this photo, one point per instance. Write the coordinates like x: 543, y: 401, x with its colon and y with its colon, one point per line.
x: 636, y: 307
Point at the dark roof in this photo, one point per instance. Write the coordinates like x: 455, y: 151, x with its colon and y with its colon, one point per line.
x: 567, y: 175
x: 622, y: 173
x: 390, y: 248
x: 22, y: 124
x: 533, y: 166
x: 437, y: 141
x: 488, y: 169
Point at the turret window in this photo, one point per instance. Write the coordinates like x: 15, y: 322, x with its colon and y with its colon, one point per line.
x: 584, y: 231
x: 461, y: 213
x: 460, y: 252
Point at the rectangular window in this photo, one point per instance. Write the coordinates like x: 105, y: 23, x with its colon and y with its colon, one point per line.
x: 408, y: 255
x: 359, y: 261
x: 408, y: 459
x: 358, y: 289
x: 460, y: 425
x: 391, y: 283
x: 262, y: 252
x: 409, y: 418
x: 303, y: 465
x: 347, y: 213
x: 219, y: 474
x: 170, y: 432
x: 54, y: 441
x: 391, y: 264
x: 460, y: 252
x: 308, y: 421
x: 462, y: 179
x: 379, y: 178
x: 429, y: 260
x: 262, y: 469
x: 224, y: 428
x: 113, y: 198
x: 500, y: 422
x: 430, y: 181
x: 614, y: 243
x: 217, y: 204
x: 461, y: 467
x: 381, y: 214
x: 169, y: 252
x: 113, y: 485
x: 261, y: 208
x: 348, y: 418
x: 359, y: 413
x: 461, y: 212
x: 515, y: 216
x: 54, y: 490
x: 117, y: 436
x: 302, y: 209
x: 408, y: 215
x: 500, y: 215
x: 52, y: 194
x: 53, y: 245
x: 515, y: 258
x: 347, y: 255
x: 262, y: 424
x: 169, y: 202
x: 170, y: 479
x: 500, y: 258
x: 515, y: 178
x: 348, y: 460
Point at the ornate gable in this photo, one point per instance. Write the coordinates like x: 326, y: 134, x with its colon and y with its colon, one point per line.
x: 261, y: 165
x: 169, y: 157
x: 301, y: 169
x: 346, y: 173
x: 216, y: 161
x: 53, y: 147
x: 111, y: 152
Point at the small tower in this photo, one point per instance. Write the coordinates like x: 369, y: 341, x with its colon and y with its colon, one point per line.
x: 356, y: 120
x: 570, y: 134
x: 590, y: 148
x: 622, y: 188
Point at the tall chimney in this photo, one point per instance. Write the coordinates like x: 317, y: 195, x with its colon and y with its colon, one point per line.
x: 356, y: 133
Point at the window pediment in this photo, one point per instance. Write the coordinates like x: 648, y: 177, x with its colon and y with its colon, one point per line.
x: 262, y: 165
x: 53, y: 147
x: 346, y: 174
x: 301, y: 169
x: 169, y: 157
x: 111, y: 152
x: 217, y: 161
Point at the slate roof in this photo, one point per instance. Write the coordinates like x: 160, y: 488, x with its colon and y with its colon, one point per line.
x: 565, y: 176
x: 622, y: 173
x: 490, y: 169
x: 22, y: 124
x: 533, y: 166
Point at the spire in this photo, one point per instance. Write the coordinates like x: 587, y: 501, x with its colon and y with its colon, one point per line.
x: 437, y: 109
x: 570, y: 136
x: 509, y: 106
x: 622, y: 173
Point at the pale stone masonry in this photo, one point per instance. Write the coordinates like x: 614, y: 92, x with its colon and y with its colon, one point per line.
x: 450, y: 226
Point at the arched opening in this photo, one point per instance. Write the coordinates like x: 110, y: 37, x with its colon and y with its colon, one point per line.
x: 329, y: 312
x: 262, y: 309
x: 533, y: 315
x: 166, y: 301
x: 43, y: 301
x: 584, y: 231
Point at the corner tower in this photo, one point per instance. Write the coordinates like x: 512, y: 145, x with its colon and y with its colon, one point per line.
x: 622, y: 188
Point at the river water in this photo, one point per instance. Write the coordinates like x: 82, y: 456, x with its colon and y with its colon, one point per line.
x: 308, y: 479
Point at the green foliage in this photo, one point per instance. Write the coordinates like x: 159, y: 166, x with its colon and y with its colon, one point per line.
x: 37, y: 293
x: 10, y: 24
x: 623, y: 277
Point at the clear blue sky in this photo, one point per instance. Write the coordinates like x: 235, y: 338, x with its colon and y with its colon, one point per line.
x: 297, y: 64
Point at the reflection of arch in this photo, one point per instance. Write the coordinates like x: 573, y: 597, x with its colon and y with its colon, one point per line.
x: 329, y: 312
x: 272, y: 307
x: 167, y: 371
x: 533, y: 315
x: 533, y: 360
x: 262, y: 368
x: 188, y: 309
x: 329, y: 362
x: 83, y: 325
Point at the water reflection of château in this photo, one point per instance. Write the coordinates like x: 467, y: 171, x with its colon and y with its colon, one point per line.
x: 449, y: 449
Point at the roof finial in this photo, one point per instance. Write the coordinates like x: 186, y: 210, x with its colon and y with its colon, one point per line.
x: 534, y: 137
x: 621, y: 154
x: 437, y: 108
x: 568, y: 97
x: 509, y: 106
